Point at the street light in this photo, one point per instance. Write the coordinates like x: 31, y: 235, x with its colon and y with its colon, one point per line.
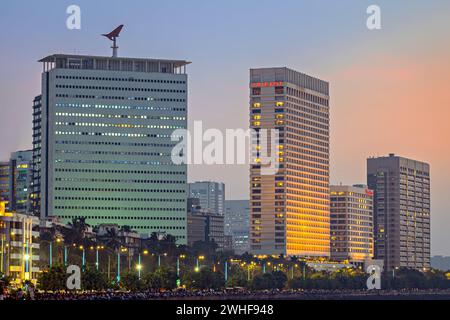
x: 181, y: 256
x: 199, y: 258
x: 83, y: 259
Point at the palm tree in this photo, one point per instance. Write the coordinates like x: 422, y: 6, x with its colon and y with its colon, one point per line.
x: 125, y: 229
x: 111, y: 239
x: 76, y: 232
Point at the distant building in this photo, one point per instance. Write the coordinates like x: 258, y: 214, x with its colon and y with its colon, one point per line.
x: 441, y: 263
x: 130, y: 239
x: 401, y: 211
x: 21, y: 181
x: 196, y: 228
x: 16, y: 182
x: 205, y: 225
x: 19, y: 250
x: 4, y: 182
x: 237, y: 224
x: 210, y: 194
x: 351, y: 223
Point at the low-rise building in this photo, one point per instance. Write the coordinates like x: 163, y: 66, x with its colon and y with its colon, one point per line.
x: 204, y: 225
x: 19, y: 248
x: 351, y: 223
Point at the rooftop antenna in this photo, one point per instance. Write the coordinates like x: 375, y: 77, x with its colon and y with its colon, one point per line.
x: 113, y: 35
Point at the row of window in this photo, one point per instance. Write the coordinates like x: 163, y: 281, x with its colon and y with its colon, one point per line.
x: 117, y: 153
x: 116, y: 125
x: 119, y: 116
x: 120, y: 208
x: 181, y: 191
x: 156, y: 172
x: 118, y: 180
x: 115, y: 134
x: 67, y: 86
x: 122, y: 79
x: 125, y: 162
x: 121, y: 199
x: 117, y: 107
x: 83, y: 96
x: 115, y: 143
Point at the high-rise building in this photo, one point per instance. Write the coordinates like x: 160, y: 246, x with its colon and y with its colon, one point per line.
x: 4, y: 182
x: 401, y: 211
x: 102, y: 142
x: 351, y: 223
x: 21, y: 181
x: 37, y: 159
x: 210, y: 194
x: 237, y: 224
x: 290, y: 210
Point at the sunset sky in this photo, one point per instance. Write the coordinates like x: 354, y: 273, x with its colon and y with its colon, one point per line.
x: 389, y: 88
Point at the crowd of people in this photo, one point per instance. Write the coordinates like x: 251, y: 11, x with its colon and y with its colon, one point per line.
x: 235, y: 294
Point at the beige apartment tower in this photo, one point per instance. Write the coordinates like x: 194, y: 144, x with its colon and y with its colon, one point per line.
x: 401, y: 211
x: 351, y: 223
x: 290, y: 209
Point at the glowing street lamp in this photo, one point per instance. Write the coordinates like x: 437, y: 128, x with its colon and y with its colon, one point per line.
x: 83, y: 259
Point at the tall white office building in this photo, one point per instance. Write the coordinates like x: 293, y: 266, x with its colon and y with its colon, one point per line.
x: 102, y: 142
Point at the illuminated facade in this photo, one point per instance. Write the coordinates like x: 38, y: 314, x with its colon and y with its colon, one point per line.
x: 351, y: 223
x: 290, y: 210
x: 401, y: 211
x: 19, y: 245
x: 102, y: 141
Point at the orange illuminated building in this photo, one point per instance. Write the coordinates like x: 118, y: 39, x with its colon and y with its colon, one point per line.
x: 290, y: 209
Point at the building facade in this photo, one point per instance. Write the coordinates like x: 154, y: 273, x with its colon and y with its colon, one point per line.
x: 205, y: 225
x: 102, y: 142
x: 351, y: 223
x: 210, y: 194
x: 401, y: 211
x: 19, y: 245
x: 21, y: 181
x: 16, y: 182
x: 4, y: 181
x: 290, y: 210
x: 237, y: 224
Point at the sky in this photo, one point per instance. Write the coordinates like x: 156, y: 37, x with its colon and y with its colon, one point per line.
x: 389, y: 87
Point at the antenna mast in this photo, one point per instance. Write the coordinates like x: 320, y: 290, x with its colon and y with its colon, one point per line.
x: 113, y: 35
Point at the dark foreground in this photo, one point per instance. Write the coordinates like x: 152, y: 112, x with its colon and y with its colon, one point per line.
x: 246, y: 295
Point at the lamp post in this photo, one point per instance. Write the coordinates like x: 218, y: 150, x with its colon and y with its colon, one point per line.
x: 139, y: 266
x: 50, y: 254
x: 181, y: 256
x: 393, y: 271
x: 83, y: 256
x: 199, y: 258
x: 65, y: 255
x: 97, y: 257
x: 226, y: 270
x: 118, y: 267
